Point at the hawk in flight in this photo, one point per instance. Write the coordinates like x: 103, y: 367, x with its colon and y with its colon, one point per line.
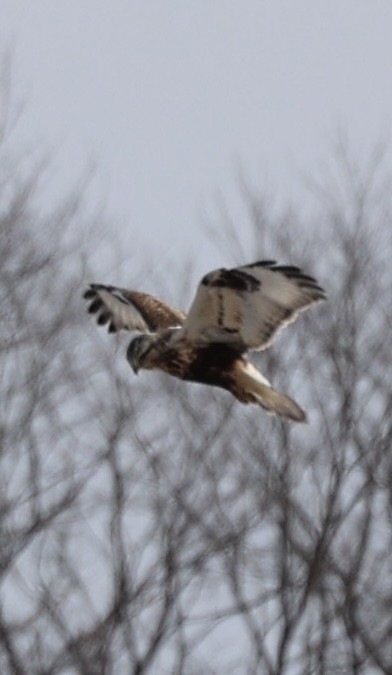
x: 234, y: 311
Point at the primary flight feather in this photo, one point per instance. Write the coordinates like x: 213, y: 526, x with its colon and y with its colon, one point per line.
x: 234, y: 311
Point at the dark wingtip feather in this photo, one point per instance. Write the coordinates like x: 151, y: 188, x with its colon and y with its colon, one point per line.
x: 262, y: 263
x: 95, y: 306
x: 293, y: 272
x: 90, y: 293
x: 103, y: 318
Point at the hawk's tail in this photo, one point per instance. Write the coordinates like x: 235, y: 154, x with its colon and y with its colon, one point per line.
x: 252, y: 387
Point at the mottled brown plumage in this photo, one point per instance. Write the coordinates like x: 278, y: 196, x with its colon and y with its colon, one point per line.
x: 234, y: 311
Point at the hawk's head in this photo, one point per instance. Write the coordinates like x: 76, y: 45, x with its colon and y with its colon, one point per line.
x: 138, y: 350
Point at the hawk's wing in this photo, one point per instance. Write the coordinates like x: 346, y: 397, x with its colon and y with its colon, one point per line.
x: 130, y: 310
x: 246, y: 306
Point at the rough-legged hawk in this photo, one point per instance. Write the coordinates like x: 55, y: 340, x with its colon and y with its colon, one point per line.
x: 234, y: 311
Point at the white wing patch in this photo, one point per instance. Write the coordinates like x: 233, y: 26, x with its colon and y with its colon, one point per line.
x: 246, y: 306
x: 113, y: 308
x: 130, y: 310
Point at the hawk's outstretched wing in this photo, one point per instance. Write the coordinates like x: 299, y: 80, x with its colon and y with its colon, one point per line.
x: 131, y: 310
x: 246, y: 306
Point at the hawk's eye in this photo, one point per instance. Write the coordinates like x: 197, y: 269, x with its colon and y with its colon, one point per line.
x: 134, y: 349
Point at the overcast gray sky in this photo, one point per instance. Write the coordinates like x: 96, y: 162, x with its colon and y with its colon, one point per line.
x: 166, y: 96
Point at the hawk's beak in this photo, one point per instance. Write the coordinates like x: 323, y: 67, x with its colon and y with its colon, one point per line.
x: 135, y: 368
